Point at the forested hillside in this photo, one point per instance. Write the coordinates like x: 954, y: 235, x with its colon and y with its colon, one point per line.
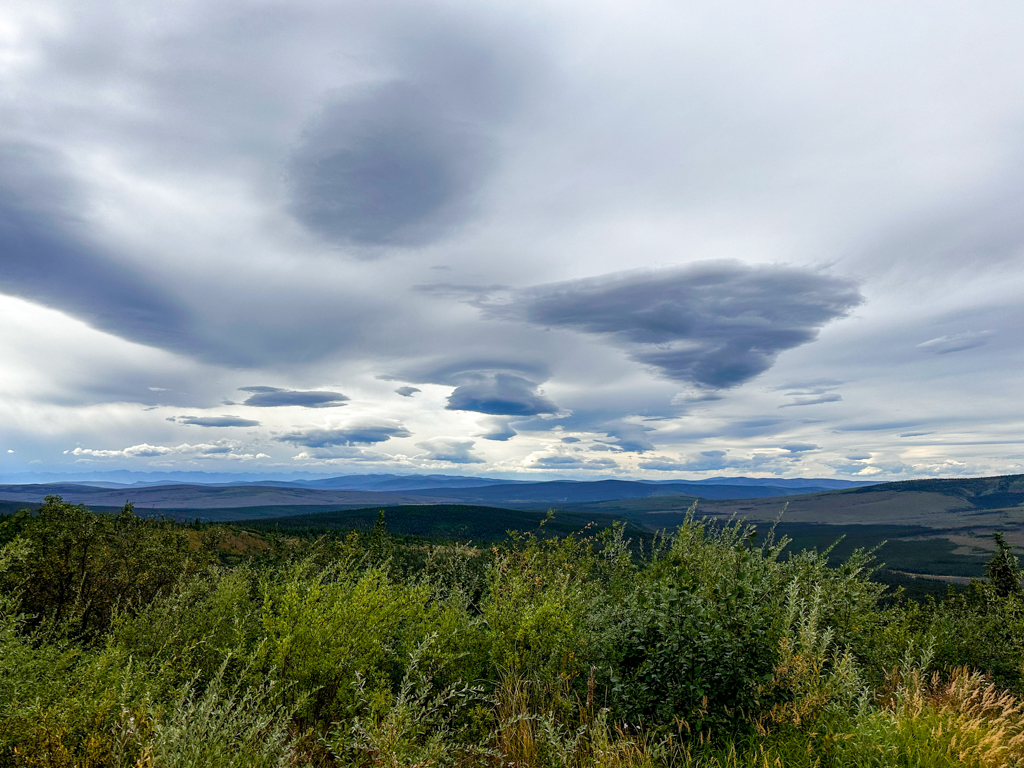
x: 138, y: 642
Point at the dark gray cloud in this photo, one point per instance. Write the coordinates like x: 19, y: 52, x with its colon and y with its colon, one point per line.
x: 391, y: 165
x: 48, y: 255
x: 216, y: 421
x: 501, y: 394
x: 399, y: 161
x: 450, y: 449
x: 492, y: 386
x: 407, y: 391
x: 500, y: 430
x: 273, y: 397
x: 713, y: 324
x: 570, y: 439
x: 799, y: 447
x: 356, y: 434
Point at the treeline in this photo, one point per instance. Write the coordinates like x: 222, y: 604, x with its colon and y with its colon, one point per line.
x: 134, y: 642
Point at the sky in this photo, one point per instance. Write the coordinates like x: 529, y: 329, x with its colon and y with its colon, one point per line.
x: 647, y: 239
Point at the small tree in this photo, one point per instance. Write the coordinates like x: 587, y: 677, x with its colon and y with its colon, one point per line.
x: 1003, y: 569
x: 380, y: 547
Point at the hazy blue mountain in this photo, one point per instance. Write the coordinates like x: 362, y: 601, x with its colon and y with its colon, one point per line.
x: 384, y: 482
x: 384, y: 490
x: 777, y: 482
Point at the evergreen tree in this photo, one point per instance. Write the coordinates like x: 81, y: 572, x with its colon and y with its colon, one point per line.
x: 1003, y: 569
x: 380, y: 546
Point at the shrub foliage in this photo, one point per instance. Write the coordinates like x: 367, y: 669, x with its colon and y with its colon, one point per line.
x: 134, y: 642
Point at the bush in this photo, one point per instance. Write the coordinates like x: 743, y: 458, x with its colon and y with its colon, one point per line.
x: 122, y: 646
x: 325, y: 627
x: 698, y: 639
x: 979, y: 629
x: 75, y: 568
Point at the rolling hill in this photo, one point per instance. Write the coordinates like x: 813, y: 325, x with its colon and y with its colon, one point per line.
x: 941, y: 527
x: 385, y: 490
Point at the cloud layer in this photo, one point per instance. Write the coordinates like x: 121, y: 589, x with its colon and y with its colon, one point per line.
x: 512, y: 239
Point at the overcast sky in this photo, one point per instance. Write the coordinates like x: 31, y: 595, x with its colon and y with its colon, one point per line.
x: 655, y: 239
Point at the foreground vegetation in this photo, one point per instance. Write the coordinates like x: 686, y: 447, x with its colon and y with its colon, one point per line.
x: 131, y: 642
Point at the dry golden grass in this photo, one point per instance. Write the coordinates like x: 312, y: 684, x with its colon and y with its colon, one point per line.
x: 980, y: 724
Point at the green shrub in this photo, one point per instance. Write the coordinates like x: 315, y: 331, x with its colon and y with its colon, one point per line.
x: 698, y: 638
x: 324, y: 627
x: 979, y: 629
x: 223, y: 725
x: 420, y: 724
x: 187, y: 633
x: 539, y: 607
x: 76, y: 567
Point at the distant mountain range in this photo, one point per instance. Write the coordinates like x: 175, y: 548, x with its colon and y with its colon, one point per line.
x: 366, y: 490
x: 367, y: 482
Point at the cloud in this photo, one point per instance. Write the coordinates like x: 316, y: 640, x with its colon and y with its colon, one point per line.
x: 143, y: 450
x: 273, y: 397
x: 450, y: 449
x: 570, y: 439
x: 387, y: 165
x: 341, y: 455
x: 707, y: 460
x: 500, y: 430
x: 354, y: 434
x: 714, y: 324
x: 832, y: 398
x: 662, y: 465
x: 629, y: 437
x: 710, y: 460
x: 570, y: 462
x: 216, y: 421
x: 221, y: 449
x: 957, y: 342
x: 51, y: 256
x: 799, y: 447
x: 493, y: 386
x: 808, y: 386
x: 877, y: 426
x: 399, y: 158
x: 474, y: 295
x: 407, y: 391
x: 501, y: 394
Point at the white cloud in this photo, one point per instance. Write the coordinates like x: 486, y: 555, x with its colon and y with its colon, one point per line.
x: 221, y: 449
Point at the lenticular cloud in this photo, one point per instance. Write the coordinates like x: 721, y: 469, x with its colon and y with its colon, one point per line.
x: 714, y: 324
